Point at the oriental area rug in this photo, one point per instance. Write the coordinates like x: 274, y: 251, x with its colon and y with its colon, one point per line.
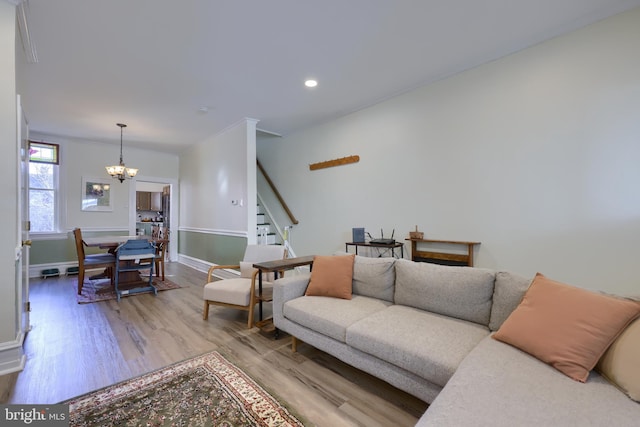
x: 101, y: 290
x: 207, y: 390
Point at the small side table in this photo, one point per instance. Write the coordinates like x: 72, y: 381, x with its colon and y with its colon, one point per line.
x: 275, y: 267
x: 391, y: 247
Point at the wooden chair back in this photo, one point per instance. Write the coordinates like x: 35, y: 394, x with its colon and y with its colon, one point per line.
x: 162, y: 233
x: 93, y: 261
x: 77, y: 234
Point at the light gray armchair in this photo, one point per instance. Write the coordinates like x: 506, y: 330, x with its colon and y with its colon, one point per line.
x: 241, y: 293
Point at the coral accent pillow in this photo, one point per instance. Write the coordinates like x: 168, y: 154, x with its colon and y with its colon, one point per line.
x: 621, y: 363
x: 331, y: 276
x: 565, y: 326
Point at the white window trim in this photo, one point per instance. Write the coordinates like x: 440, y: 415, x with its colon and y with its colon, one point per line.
x: 59, y: 214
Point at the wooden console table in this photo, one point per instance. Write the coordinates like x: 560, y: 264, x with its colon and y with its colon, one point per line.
x: 439, y: 257
x: 275, y: 267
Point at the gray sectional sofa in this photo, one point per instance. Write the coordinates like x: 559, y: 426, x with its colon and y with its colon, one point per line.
x: 426, y: 329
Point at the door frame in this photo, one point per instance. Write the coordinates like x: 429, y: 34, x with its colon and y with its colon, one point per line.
x: 173, y: 211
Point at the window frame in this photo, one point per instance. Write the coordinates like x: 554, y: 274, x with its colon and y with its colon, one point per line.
x: 57, y: 191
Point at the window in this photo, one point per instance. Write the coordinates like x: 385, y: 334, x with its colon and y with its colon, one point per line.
x: 43, y: 186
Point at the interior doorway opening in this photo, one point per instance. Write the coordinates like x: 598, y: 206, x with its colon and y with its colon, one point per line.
x: 154, y: 204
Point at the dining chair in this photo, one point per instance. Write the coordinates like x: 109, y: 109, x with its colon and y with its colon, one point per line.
x: 160, y: 233
x: 89, y: 262
x: 240, y: 293
x: 132, y: 256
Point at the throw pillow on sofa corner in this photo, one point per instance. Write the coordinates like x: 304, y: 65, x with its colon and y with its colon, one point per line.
x: 331, y: 276
x: 566, y: 327
x: 621, y: 362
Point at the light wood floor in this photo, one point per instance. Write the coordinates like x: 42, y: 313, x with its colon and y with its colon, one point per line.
x: 73, y: 349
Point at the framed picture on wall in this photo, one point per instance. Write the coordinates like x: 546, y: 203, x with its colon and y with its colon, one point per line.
x: 96, y: 194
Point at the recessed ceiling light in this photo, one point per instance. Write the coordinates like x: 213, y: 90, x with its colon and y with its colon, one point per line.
x: 311, y: 83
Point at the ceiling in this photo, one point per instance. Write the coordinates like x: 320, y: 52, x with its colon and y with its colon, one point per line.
x: 153, y: 64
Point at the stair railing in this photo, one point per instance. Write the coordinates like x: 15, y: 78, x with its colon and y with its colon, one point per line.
x: 277, y: 194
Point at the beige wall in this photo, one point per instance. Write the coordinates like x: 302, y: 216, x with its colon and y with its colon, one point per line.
x: 535, y: 155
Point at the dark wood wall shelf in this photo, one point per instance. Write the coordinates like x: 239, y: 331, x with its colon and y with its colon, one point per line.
x: 418, y: 253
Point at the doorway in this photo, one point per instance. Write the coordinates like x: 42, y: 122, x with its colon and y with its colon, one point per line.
x: 153, y: 201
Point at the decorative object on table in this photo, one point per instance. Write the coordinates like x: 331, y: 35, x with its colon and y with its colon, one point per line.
x: 206, y: 390
x: 335, y: 162
x: 101, y: 290
x: 120, y: 171
x: 416, y: 234
x: 133, y: 256
x: 357, y: 235
x: 96, y: 194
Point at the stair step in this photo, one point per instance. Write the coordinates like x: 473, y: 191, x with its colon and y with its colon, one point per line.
x: 271, y: 239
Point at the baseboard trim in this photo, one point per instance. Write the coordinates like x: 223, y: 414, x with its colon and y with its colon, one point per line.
x: 12, y: 357
x: 35, y: 270
x: 204, y: 266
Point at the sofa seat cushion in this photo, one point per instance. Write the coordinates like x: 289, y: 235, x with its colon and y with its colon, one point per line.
x: 331, y: 316
x: 427, y: 344
x: 498, y: 385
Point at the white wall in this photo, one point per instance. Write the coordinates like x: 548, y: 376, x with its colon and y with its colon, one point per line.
x: 214, y: 173
x: 535, y: 155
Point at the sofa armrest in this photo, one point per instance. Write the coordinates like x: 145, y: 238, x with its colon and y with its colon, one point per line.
x: 286, y: 289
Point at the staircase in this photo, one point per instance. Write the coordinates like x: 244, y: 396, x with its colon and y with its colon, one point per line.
x: 264, y: 229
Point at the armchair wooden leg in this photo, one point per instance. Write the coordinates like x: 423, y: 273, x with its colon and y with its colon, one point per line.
x: 250, y: 319
x: 205, y: 313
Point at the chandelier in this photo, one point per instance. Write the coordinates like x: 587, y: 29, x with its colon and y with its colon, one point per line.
x: 120, y: 171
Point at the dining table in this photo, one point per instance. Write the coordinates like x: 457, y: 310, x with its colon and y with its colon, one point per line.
x: 111, y: 243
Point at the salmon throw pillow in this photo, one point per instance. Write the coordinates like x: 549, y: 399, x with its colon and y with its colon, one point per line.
x: 567, y: 327
x: 331, y: 276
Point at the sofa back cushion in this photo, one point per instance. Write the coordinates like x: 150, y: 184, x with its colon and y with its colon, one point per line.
x: 461, y: 292
x: 374, y: 277
x: 507, y: 294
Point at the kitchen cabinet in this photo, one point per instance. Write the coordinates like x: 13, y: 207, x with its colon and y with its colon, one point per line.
x: 148, y: 201
x: 143, y: 200
x: 156, y: 201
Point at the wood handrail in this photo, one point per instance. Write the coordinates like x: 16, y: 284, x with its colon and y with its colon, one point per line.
x: 277, y: 193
